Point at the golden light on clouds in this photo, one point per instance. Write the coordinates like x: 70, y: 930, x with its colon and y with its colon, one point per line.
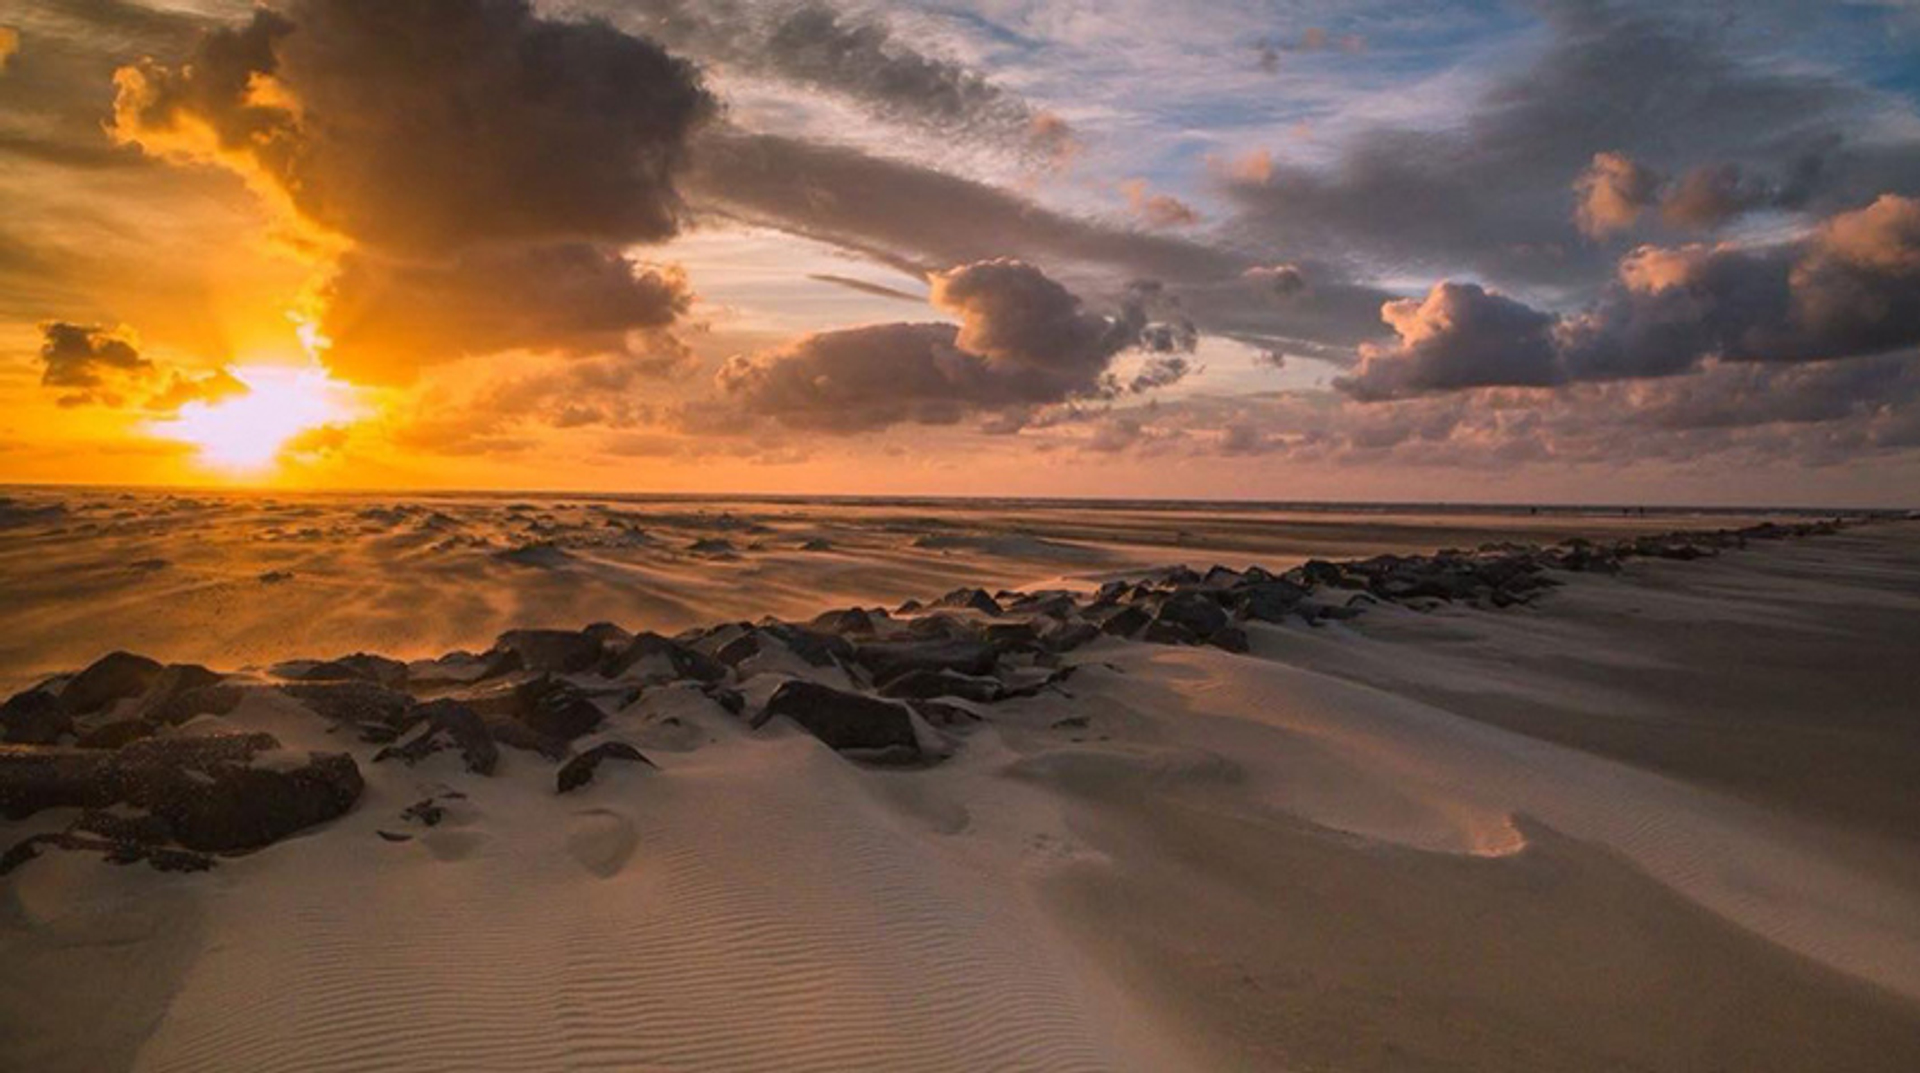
x: 245, y: 434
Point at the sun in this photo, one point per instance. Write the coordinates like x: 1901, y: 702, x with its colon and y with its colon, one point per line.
x: 246, y: 433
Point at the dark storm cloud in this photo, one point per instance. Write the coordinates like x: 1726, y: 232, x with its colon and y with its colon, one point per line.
x: 87, y: 359
x: 823, y: 48
x: 421, y: 128
x: 1023, y: 341
x: 1657, y: 91
x: 387, y: 318
x: 481, y: 163
x: 1849, y: 289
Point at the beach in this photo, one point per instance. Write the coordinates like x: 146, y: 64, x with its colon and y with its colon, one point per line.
x: 1642, y: 807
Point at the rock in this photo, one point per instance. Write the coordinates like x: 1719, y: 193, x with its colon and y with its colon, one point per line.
x: 166, y: 699
x: 555, y: 709
x: 890, y: 659
x: 172, y: 709
x: 1163, y: 632
x: 945, y: 714
x: 447, y: 724
x: 34, y: 717
x: 818, y: 649
x: 161, y: 858
x: 739, y: 650
x: 360, y: 666
x: 1126, y: 622
x: 1321, y: 572
x: 1270, y: 601
x: 1196, y: 612
x: 512, y: 733
x: 578, y: 771
x: 113, y: 677
x: 1068, y: 636
x: 551, y: 651
x: 842, y: 720
x: 216, y: 801
x: 926, y: 685
x: 115, y: 734
x: 357, y: 703
x: 658, y: 657
x: 1230, y: 638
x: 1220, y: 577
x: 33, y: 777
x: 607, y: 635
x: 970, y: 599
x: 1011, y: 635
x: 853, y: 620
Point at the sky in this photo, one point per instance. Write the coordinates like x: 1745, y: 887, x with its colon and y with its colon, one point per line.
x: 1569, y: 251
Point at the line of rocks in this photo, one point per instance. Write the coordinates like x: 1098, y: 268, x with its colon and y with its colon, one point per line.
x: 879, y: 686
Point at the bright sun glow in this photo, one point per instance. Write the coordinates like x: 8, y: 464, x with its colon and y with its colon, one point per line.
x: 247, y: 432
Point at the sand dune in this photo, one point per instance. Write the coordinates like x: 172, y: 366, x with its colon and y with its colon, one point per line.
x: 1450, y: 838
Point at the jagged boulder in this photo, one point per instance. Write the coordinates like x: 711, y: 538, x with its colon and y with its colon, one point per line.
x: 34, y: 717
x: 886, y: 660
x: 844, y: 721
x: 115, y: 676
x: 552, y: 651
x: 444, y: 724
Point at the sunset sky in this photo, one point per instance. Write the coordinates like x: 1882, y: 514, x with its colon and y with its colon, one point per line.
x: 1475, y: 251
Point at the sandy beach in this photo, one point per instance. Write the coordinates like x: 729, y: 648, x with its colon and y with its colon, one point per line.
x: 1657, y: 819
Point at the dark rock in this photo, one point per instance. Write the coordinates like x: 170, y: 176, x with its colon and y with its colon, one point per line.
x: 1011, y: 635
x: 886, y: 660
x: 1230, y: 638
x: 1072, y: 722
x: 1164, y: 632
x: 555, y: 709
x: 854, y: 620
x: 356, y: 703
x: 1195, y: 612
x: 1270, y: 601
x: 183, y: 690
x: 1321, y: 572
x: 971, y: 599
x: 818, y: 649
x: 115, y: 734
x: 121, y: 824
x: 842, y: 720
x: 162, y: 859
x: 942, y: 627
x: 739, y: 650
x: 1220, y: 577
x: 34, y: 717
x: 447, y: 724
x: 33, y: 777
x: 942, y: 713
x: 607, y: 635
x: 552, y: 651
x: 665, y: 658
x: 514, y: 734
x: 578, y: 771
x: 213, y: 799
x: 926, y: 685
x: 113, y: 677
x: 1126, y: 622
x: 1069, y: 636
x: 360, y: 666
x: 394, y: 836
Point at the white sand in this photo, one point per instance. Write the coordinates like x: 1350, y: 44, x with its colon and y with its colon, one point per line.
x: 1325, y: 855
